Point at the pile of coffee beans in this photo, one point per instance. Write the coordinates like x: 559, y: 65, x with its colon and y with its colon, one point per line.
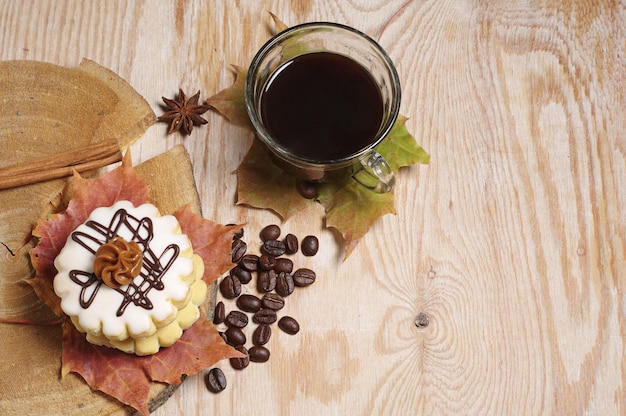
x: 276, y: 280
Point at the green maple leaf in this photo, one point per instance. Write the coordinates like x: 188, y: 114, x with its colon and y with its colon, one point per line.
x: 400, y: 148
x: 350, y: 208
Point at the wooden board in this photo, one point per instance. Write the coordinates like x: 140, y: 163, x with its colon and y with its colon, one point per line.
x: 32, y: 353
x: 512, y: 241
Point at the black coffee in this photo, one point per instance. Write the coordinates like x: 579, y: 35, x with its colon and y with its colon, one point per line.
x: 322, y: 106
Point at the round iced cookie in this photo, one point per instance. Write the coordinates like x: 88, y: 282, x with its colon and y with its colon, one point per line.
x: 136, y: 314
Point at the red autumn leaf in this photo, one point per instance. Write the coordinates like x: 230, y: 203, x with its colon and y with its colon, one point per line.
x: 122, y: 183
x: 124, y: 376
x: 261, y: 184
x: 210, y: 240
x: 129, y: 378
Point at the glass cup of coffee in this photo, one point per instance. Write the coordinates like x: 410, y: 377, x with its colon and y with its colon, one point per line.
x: 321, y: 97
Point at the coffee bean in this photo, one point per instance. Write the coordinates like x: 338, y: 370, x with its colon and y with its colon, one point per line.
x: 249, y: 262
x: 303, y: 277
x: 238, y: 234
x: 240, y: 363
x: 267, y: 262
x: 289, y: 325
x: 265, y: 316
x: 219, y: 313
x: 283, y: 265
x: 259, y: 354
x: 270, y: 232
x: 242, y: 274
x: 215, y: 380
x: 230, y: 287
x: 238, y: 249
x: 310, y: 245
x: 236, y: 319
x: 248, y: 303
x: 261, y: 334
x: 235, y: 336
x: 306, y: 189
x: 291, y: 244
x: 284, y: 284
x: 272, y: 301
x: 223, y: 336
x: 266, y: 281
x: 274, y: 248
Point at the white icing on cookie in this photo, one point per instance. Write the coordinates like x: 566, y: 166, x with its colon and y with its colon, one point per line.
x: 152, y: 300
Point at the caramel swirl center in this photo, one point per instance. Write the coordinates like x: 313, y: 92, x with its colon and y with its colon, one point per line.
x: 117, y: 262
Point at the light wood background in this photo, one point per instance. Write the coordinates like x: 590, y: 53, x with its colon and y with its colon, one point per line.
x: 512, y: 242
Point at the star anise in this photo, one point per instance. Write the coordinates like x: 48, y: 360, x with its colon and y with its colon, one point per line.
x: 183, y: 113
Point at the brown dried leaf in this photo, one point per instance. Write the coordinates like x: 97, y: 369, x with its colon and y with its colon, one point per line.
x: 128, y: 378
x: 261, y: 184
x: 88, y: 194
x: 230, y: 102
x: 210, y: 240
x: 278, y: 24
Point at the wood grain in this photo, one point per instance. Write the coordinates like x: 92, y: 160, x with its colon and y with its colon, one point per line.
x: 512, y: 241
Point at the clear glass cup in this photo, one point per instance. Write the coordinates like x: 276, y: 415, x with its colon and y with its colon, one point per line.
x: 366, y: 165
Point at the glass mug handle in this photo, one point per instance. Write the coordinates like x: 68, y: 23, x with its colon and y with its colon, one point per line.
x: 374, y: 173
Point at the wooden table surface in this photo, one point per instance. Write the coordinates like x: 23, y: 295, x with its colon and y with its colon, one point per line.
x: 512, y: 242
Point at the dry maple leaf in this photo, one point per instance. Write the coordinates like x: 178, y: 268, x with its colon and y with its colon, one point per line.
x: 230, y: 102
x: 280, y: 26
x: 128, y: 378
x: 122, y: 183
x: 261, y: 184
x: 124, y: 376
x: 350, y: 208
x: 400, y: 148
x: 209, y: 240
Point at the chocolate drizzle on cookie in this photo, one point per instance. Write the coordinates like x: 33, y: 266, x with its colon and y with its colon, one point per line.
x: 153, y: 266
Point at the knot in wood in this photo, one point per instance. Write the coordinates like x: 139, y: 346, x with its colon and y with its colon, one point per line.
x: 422, y: 320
